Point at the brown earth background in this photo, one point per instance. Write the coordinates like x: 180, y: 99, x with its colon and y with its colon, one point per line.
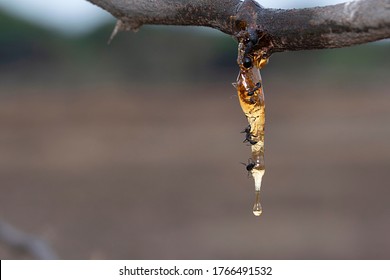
x: 133, y: 150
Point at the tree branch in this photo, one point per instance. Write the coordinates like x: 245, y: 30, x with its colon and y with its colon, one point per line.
x: 335, y: 26
x: 22, y: 241
x: 135, y: 13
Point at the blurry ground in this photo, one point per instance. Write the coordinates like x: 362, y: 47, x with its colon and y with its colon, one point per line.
x: 133, y: 150
x: 155, y: 173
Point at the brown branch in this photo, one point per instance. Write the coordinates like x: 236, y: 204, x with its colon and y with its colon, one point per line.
x: 333, y: 26
x: 135, y: 13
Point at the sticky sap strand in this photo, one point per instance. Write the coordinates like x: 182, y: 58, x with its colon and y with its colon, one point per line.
x: 253, y: 106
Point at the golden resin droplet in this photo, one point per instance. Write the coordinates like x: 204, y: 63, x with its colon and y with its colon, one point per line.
x: 257, y: 209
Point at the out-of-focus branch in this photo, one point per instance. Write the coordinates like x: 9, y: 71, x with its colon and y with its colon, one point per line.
x: 336, y: 26
x: 25, y: 242
x: 333, y: 26
x: 135, y: 13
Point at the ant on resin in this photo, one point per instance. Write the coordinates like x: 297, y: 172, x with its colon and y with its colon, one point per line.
x: 247, y: 62
x: 248, y: 136
x: 249, y: 166
x: 257, y: 86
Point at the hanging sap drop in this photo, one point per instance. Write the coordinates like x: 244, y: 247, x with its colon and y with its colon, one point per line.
x: 257, y: 209
x: 257, y: 175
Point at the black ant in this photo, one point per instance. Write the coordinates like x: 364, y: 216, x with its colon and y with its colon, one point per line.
x: 248, y: 135
x: 249, y: 166
x: 247, y: 62
x: 251, y: 41
x: 257, y: 86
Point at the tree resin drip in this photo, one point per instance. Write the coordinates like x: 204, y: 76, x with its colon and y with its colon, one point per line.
x: 257, y: 210
x: 251, y: 96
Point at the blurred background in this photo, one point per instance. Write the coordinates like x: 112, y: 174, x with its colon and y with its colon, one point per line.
x: 132, y: 150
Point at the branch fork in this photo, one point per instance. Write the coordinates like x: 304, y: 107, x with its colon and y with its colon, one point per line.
x: 280, y: 30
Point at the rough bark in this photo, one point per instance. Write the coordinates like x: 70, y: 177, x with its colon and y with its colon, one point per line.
x: 333, y: 26
x: 135, y: 13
